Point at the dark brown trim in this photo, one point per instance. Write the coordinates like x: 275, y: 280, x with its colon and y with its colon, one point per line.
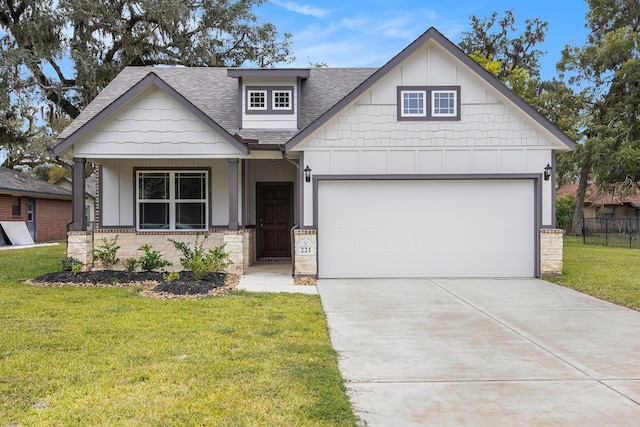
x: 136, y: 169
x: 233, y: 194
x: 258, y: 201
x: 432, y: 33
x: 269, y: 99
x: 301, y: 188
x: 256, y: 146
x: 535, y: 178
x: 299, y: 102
x: 302, y: 73
x: 239, y: 103
x: 79, y: 220
x: 554, y: 164
x: 149, y: 80
x: 428, y: 103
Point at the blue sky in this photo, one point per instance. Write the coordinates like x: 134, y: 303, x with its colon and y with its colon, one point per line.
x: 354, y: 33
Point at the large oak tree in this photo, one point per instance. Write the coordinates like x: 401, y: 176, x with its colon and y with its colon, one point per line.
x: 608, y: 66
x: 56, y: 56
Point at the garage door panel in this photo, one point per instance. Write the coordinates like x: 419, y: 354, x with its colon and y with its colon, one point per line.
x: 426, y: 228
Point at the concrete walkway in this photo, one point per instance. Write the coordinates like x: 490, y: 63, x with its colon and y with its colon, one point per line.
x: 418, y: 352
x: 271, y: 278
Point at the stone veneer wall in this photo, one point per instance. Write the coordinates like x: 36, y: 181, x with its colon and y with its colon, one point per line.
x: 551, y: 252
x: 234, y: 241
x: 79, y: 245
x: 249, y: 247
x: 130, y: 240
x: 306, y: 245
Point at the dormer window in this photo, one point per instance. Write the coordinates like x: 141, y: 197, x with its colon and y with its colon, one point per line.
x: 281, y: 99
x: 269, y: 100
x: 257, y: 100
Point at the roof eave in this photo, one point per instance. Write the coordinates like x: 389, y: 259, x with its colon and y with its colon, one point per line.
x: 302, y: 73
x: 36, y: 194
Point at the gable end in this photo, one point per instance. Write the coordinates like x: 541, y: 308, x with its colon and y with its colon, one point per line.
x: 150, y: 79
x: 450, y: 47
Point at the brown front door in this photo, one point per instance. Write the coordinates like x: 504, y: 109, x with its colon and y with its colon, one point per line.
x: 275, y: 219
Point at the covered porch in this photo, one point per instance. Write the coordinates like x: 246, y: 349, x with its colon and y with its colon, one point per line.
x: 250, y: 204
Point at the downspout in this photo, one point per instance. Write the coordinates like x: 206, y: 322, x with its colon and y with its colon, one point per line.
x: 295, y: 226
x: 62, y: 163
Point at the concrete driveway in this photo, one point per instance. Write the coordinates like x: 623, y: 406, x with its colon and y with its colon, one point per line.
x: 483, y: 352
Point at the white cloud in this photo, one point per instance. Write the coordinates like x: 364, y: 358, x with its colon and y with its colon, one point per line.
x: 302, y: 9
x: 365, y: 38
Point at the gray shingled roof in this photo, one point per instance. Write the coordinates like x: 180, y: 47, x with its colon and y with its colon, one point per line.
x: 14, y: 183
x: 216, y: 95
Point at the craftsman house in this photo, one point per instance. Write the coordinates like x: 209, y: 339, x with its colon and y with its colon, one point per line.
x: 425, y: 167
x: 44, y: 208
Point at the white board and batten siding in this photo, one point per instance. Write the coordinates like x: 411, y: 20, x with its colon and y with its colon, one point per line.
x: 154, y: 125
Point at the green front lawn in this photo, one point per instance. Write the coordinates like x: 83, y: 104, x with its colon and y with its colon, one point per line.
x: 612, y: 274
x: 109, y: 357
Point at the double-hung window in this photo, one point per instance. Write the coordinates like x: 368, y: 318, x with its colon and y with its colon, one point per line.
x: 428, y: 103
x: 172, y: 200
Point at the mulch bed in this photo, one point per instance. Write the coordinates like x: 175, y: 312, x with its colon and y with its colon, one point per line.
x: 152, y: 284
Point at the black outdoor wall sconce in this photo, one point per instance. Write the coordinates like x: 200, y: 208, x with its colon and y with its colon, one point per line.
x: 307, y: 174
x: 547, y: 172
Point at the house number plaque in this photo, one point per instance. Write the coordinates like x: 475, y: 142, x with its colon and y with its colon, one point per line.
x: 305, y: 247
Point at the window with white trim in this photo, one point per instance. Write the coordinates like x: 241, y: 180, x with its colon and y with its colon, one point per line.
x: 444, y: 103
x: 281, y: 99
x: 172, y: 200
x: 257, y: 100
x: 428, y: 103
x: 413, y: 103
x: 269, y: 99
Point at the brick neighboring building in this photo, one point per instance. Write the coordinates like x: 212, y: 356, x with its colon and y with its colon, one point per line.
x: 44, y: 207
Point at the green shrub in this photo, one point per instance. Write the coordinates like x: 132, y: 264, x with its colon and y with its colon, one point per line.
x: 200, y: 261
x: 152, y: 259
x: 106, y: 252
x: 77, y: 268
x: 170, y: 277
x: 130, y: 264
x: 68, y: 263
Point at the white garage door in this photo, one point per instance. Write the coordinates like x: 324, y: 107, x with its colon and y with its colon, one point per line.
x: 453, y: 228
